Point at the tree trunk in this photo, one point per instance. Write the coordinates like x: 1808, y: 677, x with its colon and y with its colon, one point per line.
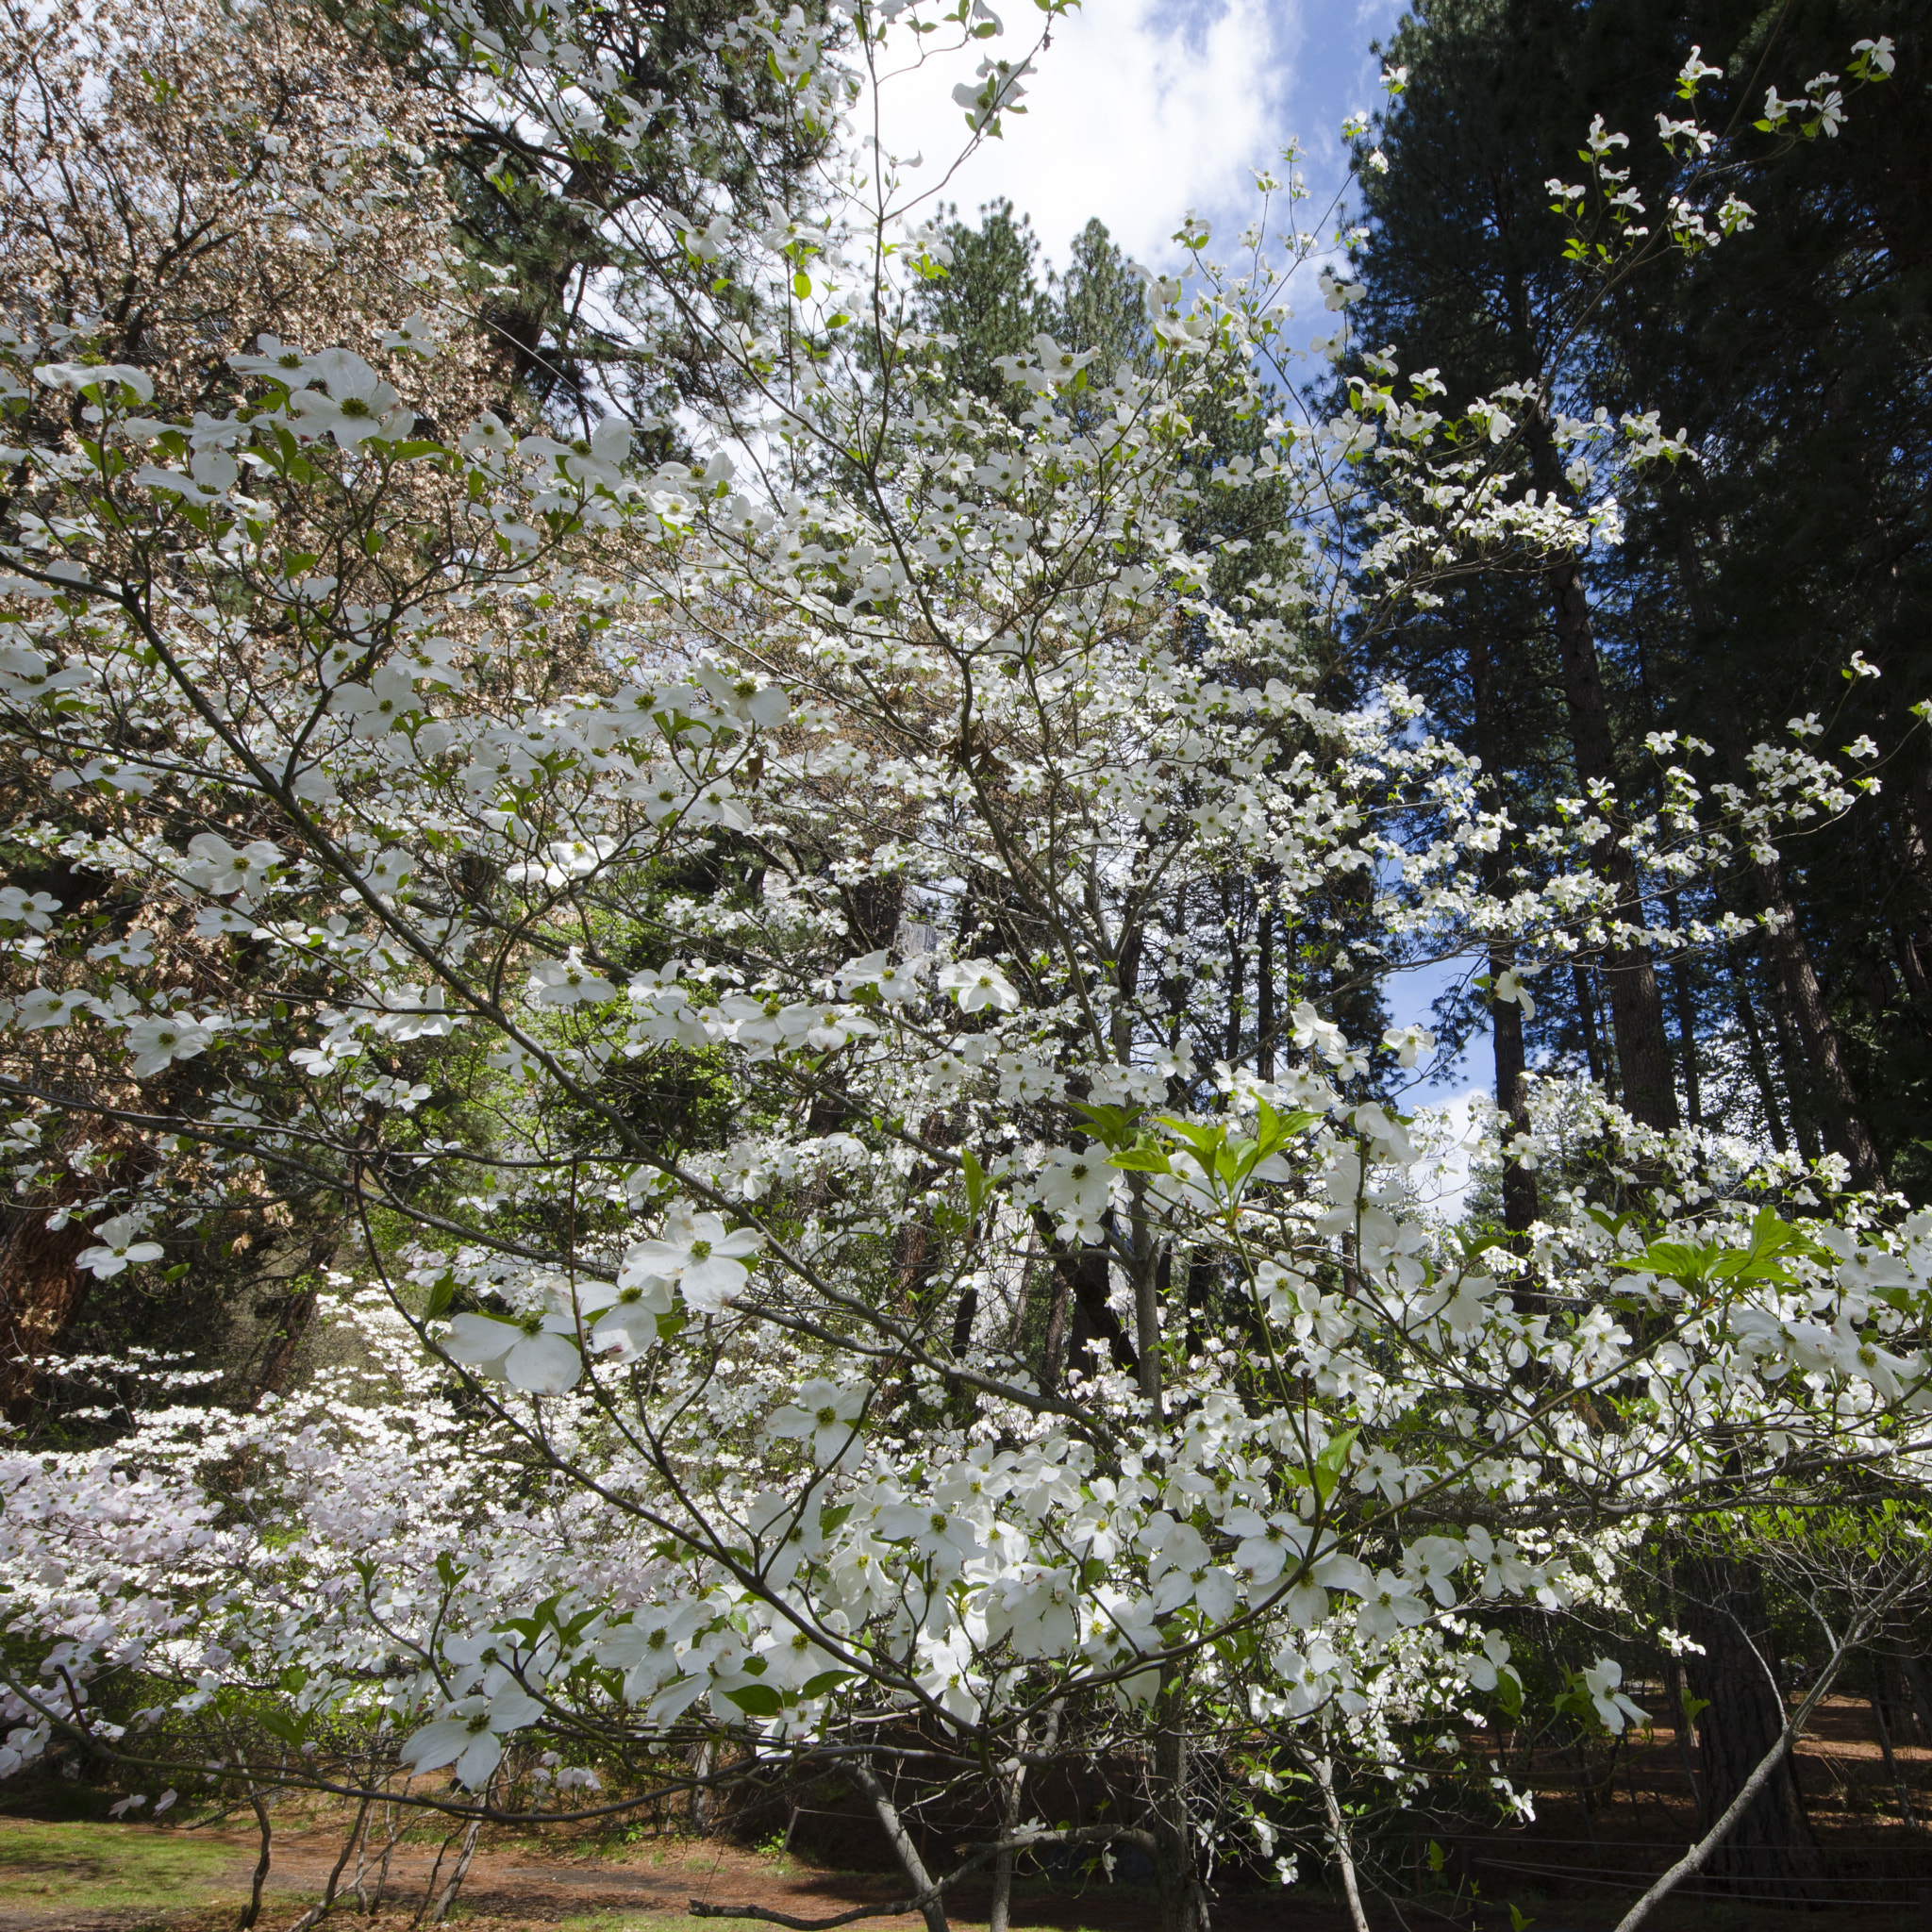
x: 1791, y: 1062
x: 1506, y: 1016
x: 1013, y: 1788
x: 1339, y: 1839
x: 1264, y: 984
x: 1183, y: 1899
x: 1770, y: 1854
x: 447, y: 1898
x: 1878, y: 1702
x: 932, y: 1906
x: 1637, y: 1008
x: 252, y: 1910
x: 1237, y: 967
x: 1683, y: 999
x: 1087, y: 1274
x: 1586, y: 1011
x: 1053, y: 1353
x: 324, y: 1905
x: 1630, y: 984
x: 1803, y: 1000
x: 1791, y: 967
x: 1754, y: 1047
x: 41, y: 1290
x: 1913, y: 1671
x: 1512, y: 1096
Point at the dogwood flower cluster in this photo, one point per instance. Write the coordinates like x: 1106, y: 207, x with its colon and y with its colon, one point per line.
x: 1017, y: 1361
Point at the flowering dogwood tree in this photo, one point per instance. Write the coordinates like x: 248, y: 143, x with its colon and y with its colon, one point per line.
x: 1018, y: 1382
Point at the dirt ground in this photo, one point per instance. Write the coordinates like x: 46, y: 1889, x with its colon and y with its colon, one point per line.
x: 1576, y: 1870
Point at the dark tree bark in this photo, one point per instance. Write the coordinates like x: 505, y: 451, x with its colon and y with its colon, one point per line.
x: 1792, y: 1066
x: 1237, y: 970
x: 1916, y: 1687
x: 1683, y: 999
x: 1586, y: 1011
x: 295, y: 1319
x: 1506, y: 1016
x: 1754, y: 1047
x: 1794, y: 973
x: 41, y: 1290
x: 872, y: 910
x: 1177, y: 1871
x: 1801, y: 1001
x: 1771, y: 1854
x: 1512, y: 1097
x: 1264, y: 984
x: 1630, y: 982
x: 1053, y: 1350
x: 1082, y: 1283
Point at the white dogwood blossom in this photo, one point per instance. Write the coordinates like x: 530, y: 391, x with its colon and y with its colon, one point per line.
x: 736, y: 911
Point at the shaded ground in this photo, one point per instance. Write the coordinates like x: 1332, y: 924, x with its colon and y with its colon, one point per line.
x: 1575, y: 1871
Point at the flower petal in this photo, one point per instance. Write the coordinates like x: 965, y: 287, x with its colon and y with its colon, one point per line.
x: 543, y: 1365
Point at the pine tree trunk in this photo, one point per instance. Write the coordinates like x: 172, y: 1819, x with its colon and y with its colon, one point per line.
x: 1794, y: 975
x: 1630, y: 982
x: 1264, y: 984
x: 1512, y: 1097
x: 1586, y: 1012
x: 1754, y: 1048
x: 1683, y: 998
x: 1771, y: 1854
x: 1837, y: 1100
x: 1800, y: 1000
x: 1506, y: 1016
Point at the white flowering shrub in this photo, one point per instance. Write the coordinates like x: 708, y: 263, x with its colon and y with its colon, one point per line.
x: 1013, y: 1383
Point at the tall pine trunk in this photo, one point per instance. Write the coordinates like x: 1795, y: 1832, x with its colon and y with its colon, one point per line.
x: 1630, y: 982
x: 1754, y: 1047
x: 1506, y: 1016
x: 1771, y: 1854
x: 1795, y: 985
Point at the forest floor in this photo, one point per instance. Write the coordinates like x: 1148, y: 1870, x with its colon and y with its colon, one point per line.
x: 1576, y: 1870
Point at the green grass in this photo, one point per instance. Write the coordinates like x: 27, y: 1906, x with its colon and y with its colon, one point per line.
x: 104, y: 1868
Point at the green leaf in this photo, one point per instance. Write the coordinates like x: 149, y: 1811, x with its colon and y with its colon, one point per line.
x: 1773, y: 1243
x: 292, y: 1729
x: 825, y: 1683
x: 1510, y: 1692
x: 1206, y: 1142
x: 440, y: 1294
x: 1331, y: 1463
x: 1144, y: 1158
x: 1116, y: 1125
x: 757, y: 1700
x: 801, y: 285
x: 977, y: 1186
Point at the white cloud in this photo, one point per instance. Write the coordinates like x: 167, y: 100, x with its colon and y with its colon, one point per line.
x: 1447, y: 1130
x: 1138, y: 112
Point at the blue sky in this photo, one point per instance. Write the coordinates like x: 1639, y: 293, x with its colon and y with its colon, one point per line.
x: 1142, y: 109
